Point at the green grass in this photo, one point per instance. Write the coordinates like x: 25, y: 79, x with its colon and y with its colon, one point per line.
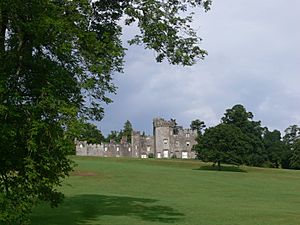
x: 122, y: 191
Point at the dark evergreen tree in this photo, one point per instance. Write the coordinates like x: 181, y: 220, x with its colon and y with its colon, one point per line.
x: 127, y: 131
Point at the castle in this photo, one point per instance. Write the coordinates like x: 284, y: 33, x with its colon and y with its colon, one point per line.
x: 168, y: 141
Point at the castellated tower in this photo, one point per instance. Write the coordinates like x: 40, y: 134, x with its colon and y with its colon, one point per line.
x: 162, y: 132
x: 172, y: 141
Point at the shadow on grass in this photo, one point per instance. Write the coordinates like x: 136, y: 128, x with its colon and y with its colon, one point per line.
x: 223, y: 169
x: 83, y: 209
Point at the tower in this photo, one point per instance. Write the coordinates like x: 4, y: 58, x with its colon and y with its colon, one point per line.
x: 136, y: 144
x: 162, y: 132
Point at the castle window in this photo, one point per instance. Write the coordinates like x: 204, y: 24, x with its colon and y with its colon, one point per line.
x: 136, y: 147
x: 177, y: 143
x: 187, y: 135
x: 118, y: 149
x: 129, y: 149
x: 148, y: 148
x: 105, y: 149
x: 81, y: 146
x: 188, y: 143
x: 165, y: 141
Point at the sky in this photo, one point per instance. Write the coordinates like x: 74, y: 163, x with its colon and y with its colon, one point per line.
x: 253, y: 59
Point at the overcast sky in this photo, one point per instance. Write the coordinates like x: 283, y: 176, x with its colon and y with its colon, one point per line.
x: 253, y: 59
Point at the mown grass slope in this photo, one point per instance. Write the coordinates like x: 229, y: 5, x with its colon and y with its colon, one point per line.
x: 122, y: 191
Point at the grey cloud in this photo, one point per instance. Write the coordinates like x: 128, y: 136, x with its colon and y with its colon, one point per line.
x: 254, y: 57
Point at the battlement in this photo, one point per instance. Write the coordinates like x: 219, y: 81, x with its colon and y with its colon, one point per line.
x: 159, y: 122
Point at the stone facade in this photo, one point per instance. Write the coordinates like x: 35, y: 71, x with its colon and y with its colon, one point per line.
x: 168, y: 141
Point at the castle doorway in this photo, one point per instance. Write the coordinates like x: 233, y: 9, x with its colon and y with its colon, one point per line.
x: 184, y: 155
x: 166, y: 154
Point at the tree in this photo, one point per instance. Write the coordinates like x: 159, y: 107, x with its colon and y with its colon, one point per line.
x: 295, y: 155
x: 117, y: 136
x: 57, y: 60
x: 292, y: 134
x: 113, y: 136
x: 239, y: 117
x: 127, y: 131
x: 289, y: 158
x: 274, y: 147
x: 223, y: 143
x: 198, y: 126
x: 91, y: 134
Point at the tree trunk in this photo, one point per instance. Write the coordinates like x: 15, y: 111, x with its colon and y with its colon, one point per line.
x: 219, y: 165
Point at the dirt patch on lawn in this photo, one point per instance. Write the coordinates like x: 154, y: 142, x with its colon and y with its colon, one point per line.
x: 84, y: 174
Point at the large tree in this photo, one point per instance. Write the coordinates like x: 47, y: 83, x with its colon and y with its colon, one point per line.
x: 57, y: 60
x: 239, y: 117
x: 223, y: 143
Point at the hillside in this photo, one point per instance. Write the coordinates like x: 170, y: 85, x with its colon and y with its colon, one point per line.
x: 122, y: 191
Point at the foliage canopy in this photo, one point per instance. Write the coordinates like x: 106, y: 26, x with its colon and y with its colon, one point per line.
x: 241, y: 140
x: 57, y: 60
x: 223, y: 143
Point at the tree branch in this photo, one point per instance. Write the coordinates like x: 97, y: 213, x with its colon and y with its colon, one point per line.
x: 3, y: 27
x: 4, y: 178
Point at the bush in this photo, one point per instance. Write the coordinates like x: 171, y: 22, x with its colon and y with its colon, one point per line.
x: 151, y: 155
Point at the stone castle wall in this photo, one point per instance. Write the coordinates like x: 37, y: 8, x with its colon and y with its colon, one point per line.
x: 168, y: 141
x: 103, y: 150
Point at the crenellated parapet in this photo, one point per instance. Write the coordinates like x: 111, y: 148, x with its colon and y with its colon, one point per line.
x: 159, y: 122
x: 103, y: 150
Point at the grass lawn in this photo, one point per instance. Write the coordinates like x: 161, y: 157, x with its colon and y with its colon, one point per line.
x: 122, y: 191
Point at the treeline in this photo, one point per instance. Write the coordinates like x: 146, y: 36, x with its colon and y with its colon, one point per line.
x: 90, y: 133
x: 239, y: 140
x: 116, y: 136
